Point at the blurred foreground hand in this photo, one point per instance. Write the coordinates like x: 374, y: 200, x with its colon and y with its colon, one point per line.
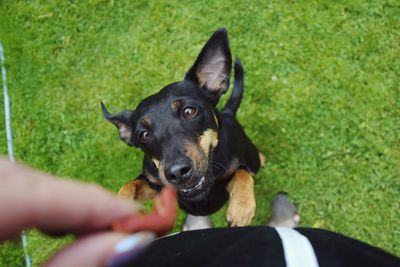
x: 103, y: 223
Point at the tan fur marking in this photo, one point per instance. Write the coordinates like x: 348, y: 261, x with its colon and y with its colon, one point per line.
x: 162, y: 174
x: 128, y: 190
x: 175, y: 105
x: 138, y: 189
x: 242, y: 204
x: 208, y: 139
x: 146, y: 121
x: 146, y: 193
x: 193, y: 152
x: 151, y: 178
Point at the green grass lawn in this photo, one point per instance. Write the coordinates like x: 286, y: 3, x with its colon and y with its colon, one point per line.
x: 322, y: 98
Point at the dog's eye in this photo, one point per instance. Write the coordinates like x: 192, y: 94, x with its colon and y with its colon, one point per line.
x: 144, y: 136
x: 189, y: 112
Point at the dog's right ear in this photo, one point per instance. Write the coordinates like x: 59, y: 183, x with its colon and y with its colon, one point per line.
x: 125, y: 121
x: 212, y: 69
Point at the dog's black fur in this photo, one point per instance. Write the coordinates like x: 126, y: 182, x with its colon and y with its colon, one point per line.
x: 185, y: 138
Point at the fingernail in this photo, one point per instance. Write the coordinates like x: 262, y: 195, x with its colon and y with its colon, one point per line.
x: 129, y: 248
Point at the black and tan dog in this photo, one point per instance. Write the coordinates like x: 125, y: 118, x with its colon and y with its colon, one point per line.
x: 188, y: 144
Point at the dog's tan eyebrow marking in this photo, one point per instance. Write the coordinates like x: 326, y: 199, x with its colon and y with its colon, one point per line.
x: 175, y: 105
x: 146, y: 121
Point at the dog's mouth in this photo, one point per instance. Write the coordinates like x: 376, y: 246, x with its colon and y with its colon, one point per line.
x: 195, y: 190
x: 198, y: 186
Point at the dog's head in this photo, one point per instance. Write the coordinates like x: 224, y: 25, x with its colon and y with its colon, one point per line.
x: 178, y: 127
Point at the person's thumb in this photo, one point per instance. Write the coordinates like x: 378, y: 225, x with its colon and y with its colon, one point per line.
x: 104, y: 249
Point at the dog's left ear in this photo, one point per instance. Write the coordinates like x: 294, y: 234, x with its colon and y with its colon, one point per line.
x: 212, y: 68
x: 125, y: 121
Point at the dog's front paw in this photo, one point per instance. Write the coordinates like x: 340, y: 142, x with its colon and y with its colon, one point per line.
x: 138, y: 189
x: 242, y: 205
x: 128, y: 190
x: 241, y: 211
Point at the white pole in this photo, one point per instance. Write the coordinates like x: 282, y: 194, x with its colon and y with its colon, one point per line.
x: 10, y: 147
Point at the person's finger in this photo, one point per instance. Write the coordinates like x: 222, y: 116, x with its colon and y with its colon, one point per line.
x: 159, y: 221
x: 31, y: 198
x: 79, y: 208
x: 102, y: 249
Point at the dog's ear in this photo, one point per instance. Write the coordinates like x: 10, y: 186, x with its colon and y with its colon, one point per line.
x: 212, y: 68
x: 125, y: 121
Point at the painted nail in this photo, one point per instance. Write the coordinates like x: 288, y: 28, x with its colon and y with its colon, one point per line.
x: 129, y: 248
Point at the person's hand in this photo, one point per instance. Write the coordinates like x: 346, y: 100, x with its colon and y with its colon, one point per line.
x: 31, y: 199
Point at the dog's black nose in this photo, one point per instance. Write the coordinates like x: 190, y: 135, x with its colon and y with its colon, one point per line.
x: 178, y: 172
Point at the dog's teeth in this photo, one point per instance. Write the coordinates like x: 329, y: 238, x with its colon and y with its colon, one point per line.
x: 202, y: 179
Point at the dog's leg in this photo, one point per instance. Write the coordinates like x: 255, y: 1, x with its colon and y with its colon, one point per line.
x: 242, y: 204
x: 138, y: 189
